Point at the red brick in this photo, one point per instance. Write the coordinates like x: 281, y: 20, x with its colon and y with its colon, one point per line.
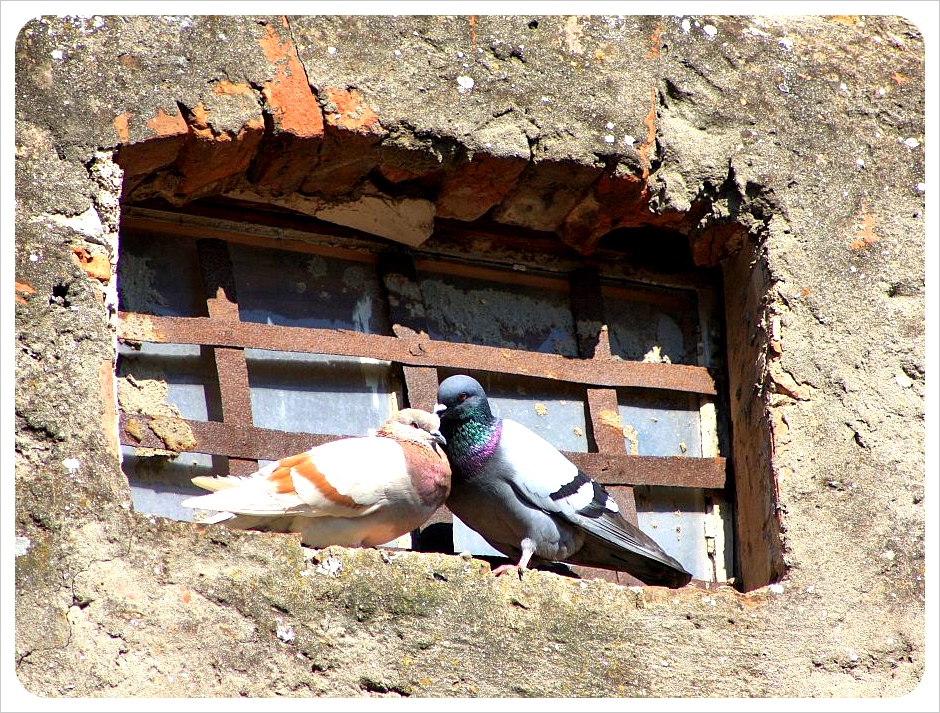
x: 348, y: 153
x: 23, y: 291
x: 293, y: 145
x: 211, y: 156
x: 288, y: 96
x: 345, y: 110
x: 95, y: 265
x: 613, y: 202
x: 545, y: 194
x: 715, y: 243
x: 155, y: 152
x: 344, y: 160
x: 474, y: 187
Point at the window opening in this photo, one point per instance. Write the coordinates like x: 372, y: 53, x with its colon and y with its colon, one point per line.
x: 267, y: 344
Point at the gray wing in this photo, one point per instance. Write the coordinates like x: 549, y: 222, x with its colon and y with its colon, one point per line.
x: 550, y: 482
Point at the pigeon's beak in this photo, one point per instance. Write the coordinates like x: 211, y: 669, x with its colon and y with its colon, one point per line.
x: 439, y: 437
x: 439, y: 409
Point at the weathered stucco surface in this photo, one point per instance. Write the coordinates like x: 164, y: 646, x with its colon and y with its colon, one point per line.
x: 805, y: 135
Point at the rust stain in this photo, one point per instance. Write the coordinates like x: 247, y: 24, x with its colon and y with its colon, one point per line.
x: 900, y: 78
x: 163, y: 124
x: 655, y: 42
x: 185, y: 594
x: 95, y: 265
x: 224, y: 86
x: 288, y: 94
x: 351, y: 113
x: 646, y: 146
x: 844, y: 19
x: 109, y: 417
x: 122, y: 127
x: 473, y: 33
x: 866, y: 234
x: 805, y: 292
x: 23, y: 290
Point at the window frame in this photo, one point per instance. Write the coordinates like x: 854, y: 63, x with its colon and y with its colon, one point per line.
x: 595, y: 370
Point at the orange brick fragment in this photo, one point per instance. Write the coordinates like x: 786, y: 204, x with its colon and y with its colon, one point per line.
x: 23, y: 290
x: 351, y: 112
x: 95, y: 265
x: 866, y: 234
x: 122, y: 127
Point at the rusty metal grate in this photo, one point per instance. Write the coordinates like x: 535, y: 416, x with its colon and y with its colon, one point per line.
x: 419, y: 357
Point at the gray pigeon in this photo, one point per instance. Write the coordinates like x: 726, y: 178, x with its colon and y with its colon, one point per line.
x: 530, y: 502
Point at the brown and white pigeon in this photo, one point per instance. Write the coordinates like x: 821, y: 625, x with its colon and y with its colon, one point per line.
x: 355, y: 492
x: 530, y: 502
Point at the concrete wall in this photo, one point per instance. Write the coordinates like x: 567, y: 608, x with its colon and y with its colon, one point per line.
x: 789, y: 151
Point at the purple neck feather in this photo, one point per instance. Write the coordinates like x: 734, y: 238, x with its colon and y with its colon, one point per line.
x: 471, y: 463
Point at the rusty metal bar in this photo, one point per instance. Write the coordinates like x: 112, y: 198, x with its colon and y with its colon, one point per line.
x: 605, y: 420
x: 675, y: 471
x: 217, y: 438
x: 415, y: 351
x: 421, y: 385
x: 218, y: 281
x: 251, y: 442
x: 233, y: 385
x: 604, y: 413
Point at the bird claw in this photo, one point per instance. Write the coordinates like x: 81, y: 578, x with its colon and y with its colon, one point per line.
x: 503, y: 568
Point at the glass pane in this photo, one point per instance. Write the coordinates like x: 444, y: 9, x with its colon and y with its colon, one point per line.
x: 315, y: 393
x: 159, y: 274
x: 533, y: 315
x: 467, y: 540
x: 675, y: 518
x: 180, y: 374
x: 652, y: 324
x: 306, y: 290
x: 159, y: 484
x: 658, y: 423
x: 553, y: 409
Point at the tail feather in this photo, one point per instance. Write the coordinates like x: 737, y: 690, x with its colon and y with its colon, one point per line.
x: 596, y: 552
x: 216, y: 518
x: 215, y: 483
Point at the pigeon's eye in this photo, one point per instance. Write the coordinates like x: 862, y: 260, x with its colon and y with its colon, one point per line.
x: 462, y: 396
x: 414, y: 424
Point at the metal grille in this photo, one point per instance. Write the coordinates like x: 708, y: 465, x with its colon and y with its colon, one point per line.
x: 419, y: 357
